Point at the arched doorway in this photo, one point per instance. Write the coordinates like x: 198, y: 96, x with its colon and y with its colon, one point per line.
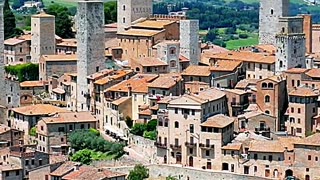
x: 289, y: 172
x: 307, y: 177
x: 165, y: 159
x: 178, y: 158
x: 225, y: 166
x: 275, y: 173
x: 191, y: 161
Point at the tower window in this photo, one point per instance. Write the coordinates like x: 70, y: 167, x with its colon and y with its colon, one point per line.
x: 124, y: 20
x: 281, y: 63
x: 124, y: 7
x: 271, y: 12
x: 267, y: 99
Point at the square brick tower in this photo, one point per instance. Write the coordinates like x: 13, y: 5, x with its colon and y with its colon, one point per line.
x: 91, y: 47
x: 132, y: 10
x: 269, y: 14
x: 189, y: 40
x: 43, y: 40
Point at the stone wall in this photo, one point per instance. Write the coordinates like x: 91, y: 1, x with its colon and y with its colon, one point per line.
x: 187, y: 173
x: 144, y: 147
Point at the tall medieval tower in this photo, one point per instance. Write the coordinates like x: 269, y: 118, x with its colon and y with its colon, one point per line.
x: 132, y: 10
x: 189, y: 40
x: 90, y: 48
x: 42, y: 36
x: 2, y: 72
x: 270, y: 12
x: 291, y: 44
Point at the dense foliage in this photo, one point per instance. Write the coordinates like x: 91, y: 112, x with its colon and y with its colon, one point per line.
x: 129, y: 122
x: 139, y: 172
x: 24, y: 72
x: 146, y: 130
x: 9, y: 19
x: 93, y: 142
x: 63, y: 20
x: 86, y: 156
x: 110, y: 12
x: 33, y: 131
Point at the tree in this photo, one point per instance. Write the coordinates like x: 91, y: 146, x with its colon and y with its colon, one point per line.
x: 63, y: 20
x: 110, y: 12
x: 211, y: 35
x: 33, y: 131
x: 139, y: 172
x: 129, y: 122
x: 83, y: 156
x: 10, y: 29
x: 152, y: 125
x: 138, y: 129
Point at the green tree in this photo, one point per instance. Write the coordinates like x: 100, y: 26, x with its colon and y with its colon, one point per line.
x: 33, y: 131
x: 139, y: 172
x: 110, y: 12
x: 152, y: 125
x: 83, y: 156
x: 211, y: 35
x: 129, y: 122
x: 152, y: 135
x: 24, y: 72
x: 10, y: 29
x: 138, y: 129
x: 63, y: 20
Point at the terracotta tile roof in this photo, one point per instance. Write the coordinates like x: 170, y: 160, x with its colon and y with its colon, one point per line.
x: 32, y: 84
x: 232, y: 146
x: 138, y: 83
x: 314, y: 73
x: 236, y: 91
x: 140, y: 32
x: 26, y: 37
x: 149, y: 62
x: 58, y: 90
x: 296, y: 70
x: 313, y: 140
x: 64, y: 169
x: 68, y: 43
x: 246, y: 56
x: 120, y: 100
x: 38, y: 109
x: 200, y: 98
x: 197, y: 71
x: 154, y: 24
x: 218, y: 121
x: 303, y: 92
x: 209, y: 94
x: 42, y: 15
x: 215, y: 49
x: 267, y: 48
x: 146, y: 112
x: 4, y: 128
x: 246, y: 82
x: 167, y: 99
x: 222, y: 65
x: 60, y: 57
x: 166, y: 81
x: 266, y: 146
x: 155, y: 107
x: 90, y: 173
x: 275, y: 78
x: 183, y: 59
x: 13, y: 41
x: 9, y: 167
x: 70, y: 117
x: 99, y: 74
x: 114, y: 76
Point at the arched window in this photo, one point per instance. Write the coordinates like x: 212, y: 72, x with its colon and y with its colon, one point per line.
x: 270, y: 85
x: 271, y: 12
x: 172, y: 50
x: 281, y: 63
x: 137, y: 69
x: 173, y: 63
x: 267, y: 112
x: 264, y: 85
x: 124, y: 7
x: 267, y: 98
x: 176, y: 124
x: 124, y: 20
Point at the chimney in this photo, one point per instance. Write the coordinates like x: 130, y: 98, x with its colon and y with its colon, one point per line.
x: 77, y: 166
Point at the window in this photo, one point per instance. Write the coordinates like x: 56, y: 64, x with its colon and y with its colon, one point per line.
x: 314, y: 110
x: 298, y: 83
x: 299, y: 110
x: 82, y: 126
x: 316, y: 158
x: 292, y: 110
x: 176, y: 110
x: 40, y: 161
x: 270, y: 157
x: 307, y: 169
x: 260, y: 66
x: 97, y: 69
x: 176, y: 124
x: 271, y: 11
x: 32, y: 161
x: 267, y: 98
x: 191, y: 128
x: 17, y: 172
x: 269, y: 67
x: 207, y: 153
x: 193, y: 112
x: 61, y: 129
x: 7, y: 173
x: 173, y: 63
x: 281, y: 63
x: 191, y: 150
x: 27, y: 162
x: 124, y: 7
x: 255, y: 156
x: 264, y: 158
x: 309, y: 157
x: 123, y: 20
x: 292, y: 82
x: 255, y: 168
x: 299, y: 120
x: 299, y: 130
x: 270, y: 85
x: 264, y: 85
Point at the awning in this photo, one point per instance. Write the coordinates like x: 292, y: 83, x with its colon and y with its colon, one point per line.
x: 58, y: 91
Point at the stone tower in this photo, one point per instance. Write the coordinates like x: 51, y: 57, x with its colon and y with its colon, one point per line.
x: 169, y: 52
x: 90, y: 47
x: 132, y: 10
x: 42, y: 36
x: 189, y: 40
x: 291, y: 44
x: 270, y: 12
x: 2, y: 72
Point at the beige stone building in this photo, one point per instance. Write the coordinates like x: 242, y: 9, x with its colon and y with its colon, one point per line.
x: 185, y: 128
x: 53, y: 131
x: 301, y: 111
x: 29, y: 89
x: 16, y: 51
x: 10, y: 136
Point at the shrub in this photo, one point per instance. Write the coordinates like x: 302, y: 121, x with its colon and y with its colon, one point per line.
x: 138, y: 173
x: 152, y: 135
x: 33, y: 131
x: 138, y: 129
x: 243, y: 36
x: 152, y: 125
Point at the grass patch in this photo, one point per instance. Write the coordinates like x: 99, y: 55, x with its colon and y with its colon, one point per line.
x: 236, y: 44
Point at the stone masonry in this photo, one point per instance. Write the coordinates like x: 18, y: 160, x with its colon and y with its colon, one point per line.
x: 132, y: 10
x: 43, y: 36
x: 270, y: 11
x: 189, y: 40
x: 2, y: 72
x: 91, y: 47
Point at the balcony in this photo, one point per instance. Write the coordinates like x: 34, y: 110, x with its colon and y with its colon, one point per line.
x: 160, y: 145
x: 206, y: 146
x: 259, y: 129
x: 155, y: 96
x: 239, y: 105
x: 190, y: 145
x: 175, y: 147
